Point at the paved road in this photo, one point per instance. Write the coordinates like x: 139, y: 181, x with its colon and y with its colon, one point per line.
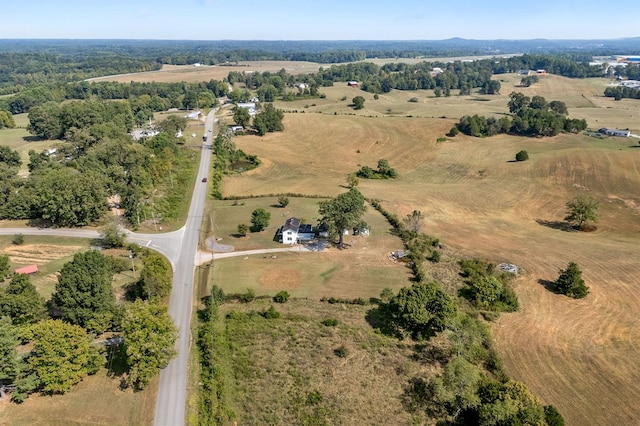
x: 172, y: 394
x: 180, y: 248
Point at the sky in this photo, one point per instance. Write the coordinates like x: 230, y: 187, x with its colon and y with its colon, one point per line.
x: 318, y: 20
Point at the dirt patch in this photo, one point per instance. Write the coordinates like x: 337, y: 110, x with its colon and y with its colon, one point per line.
x: 280, y: 279
x: 38, y: 254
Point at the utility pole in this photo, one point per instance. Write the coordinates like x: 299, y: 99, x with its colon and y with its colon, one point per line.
x: 133, y: 265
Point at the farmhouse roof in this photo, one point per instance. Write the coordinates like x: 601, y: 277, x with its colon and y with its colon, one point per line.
x: 291, y: 224
x: 28, y: 270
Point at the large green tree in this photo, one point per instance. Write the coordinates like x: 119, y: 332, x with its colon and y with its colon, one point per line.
x: 156, y: 276
x: 67, y: 197
x: 83, y: 294
x: 4, y: 266
x: 269, y: 119
x: 149, y: 339
x: 260, y: 220
x: 582, y: 210
x: 241, y: 116
x: 21, y: 301
x: 422, y: 310
x: 342, y: 212
x: 61, y: 355
x: 9, y: 157
x: 9, y: 361
x: 570, y: 282
x: 358, y: 102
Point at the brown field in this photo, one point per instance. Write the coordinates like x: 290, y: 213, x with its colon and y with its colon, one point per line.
x: 97, y: 400
x: 578, y: 355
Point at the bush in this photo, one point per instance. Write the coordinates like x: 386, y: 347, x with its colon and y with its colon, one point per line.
x: 341, y: 351
x: 522, y: 156
x: 453, y: 132
x: 271, y: 313
x: 18, y: 239
x: 414, y: 99
x: 435, y: 256
x: 441, y: 140
x: 281, y: 297
x: 330, y: 322
x: 243, y: 229
x: 248, y: 296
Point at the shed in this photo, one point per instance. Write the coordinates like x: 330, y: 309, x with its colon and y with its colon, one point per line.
x: 28, y: 270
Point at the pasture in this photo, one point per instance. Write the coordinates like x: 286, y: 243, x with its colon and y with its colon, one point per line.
x: 578, y: 355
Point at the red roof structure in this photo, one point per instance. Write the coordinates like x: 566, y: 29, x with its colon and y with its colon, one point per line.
x: 29, y: 269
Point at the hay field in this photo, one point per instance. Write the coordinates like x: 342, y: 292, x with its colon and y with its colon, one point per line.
x: 191, y: 74
x: 578, y: 355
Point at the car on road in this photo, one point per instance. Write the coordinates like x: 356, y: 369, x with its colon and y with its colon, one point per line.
x: 204, y: 179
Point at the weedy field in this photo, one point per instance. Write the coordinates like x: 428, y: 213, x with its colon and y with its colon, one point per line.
x: 578, y: 355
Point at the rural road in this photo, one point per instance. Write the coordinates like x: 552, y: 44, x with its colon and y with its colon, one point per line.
x: 180, y: 248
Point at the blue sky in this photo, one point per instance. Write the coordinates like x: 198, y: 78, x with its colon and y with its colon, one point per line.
x: 319, y: 19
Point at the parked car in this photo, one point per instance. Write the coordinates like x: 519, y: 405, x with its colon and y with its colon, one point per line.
x: 204, y: 179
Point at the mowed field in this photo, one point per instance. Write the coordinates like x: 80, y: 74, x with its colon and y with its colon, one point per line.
x: 578, y: 355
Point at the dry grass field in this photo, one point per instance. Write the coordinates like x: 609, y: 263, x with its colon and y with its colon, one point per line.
x: 578, y: 355
x: 284, y: 371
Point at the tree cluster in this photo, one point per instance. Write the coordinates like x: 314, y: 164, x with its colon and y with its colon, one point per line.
x: 384, y: 171
x: 487, y: 288
x: 530, y: 117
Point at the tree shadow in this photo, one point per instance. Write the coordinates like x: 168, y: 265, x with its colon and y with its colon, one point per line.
x: 556, y: 224
x: 116, y: 361
x: 379, y: 318
x: 32, y: 138
x: 549, y: 285
x: 429, y: 354
x: 41, y: 223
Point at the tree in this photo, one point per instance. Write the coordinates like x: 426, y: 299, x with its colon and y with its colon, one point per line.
x: 342, y: 212
x: 522, y: 156
x: 61, y: 355
x: 242, y: 230
x: 241, y: 116
x: 260, y: 220
x: 517, y: 102
x: 457, y: 389
x: 112, y: 235
x: 269, y: 119
x: 283, y: 201
x: 352, y: 180
x: 422, y: 310
x: 9, y: 157
x: 582, y: 210
x: 21, y: 301
x: 149, y: 340
x: 6, y: 120
x: 358, y: 102
x: 4, y: 266
x: 9, y: 361
x: 570, y: 282
x: 84, y: 295
x: 559, y: 107
x: 156, y: 276
x: 68, y: 197
x: 414, y: 221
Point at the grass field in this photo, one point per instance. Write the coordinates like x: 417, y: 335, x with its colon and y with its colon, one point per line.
x: 363, y: 269
x: 578, y: 355
x: 285, y: 371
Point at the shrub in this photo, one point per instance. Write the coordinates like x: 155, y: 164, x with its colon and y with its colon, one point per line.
x: 441, y: 140
x: 18, y: 239
x: 453, y: 132
x: 522, y: 156
x: 243, y: 229
x: 281, y: 297
x: 330, y: 322
x: 435, y: 256
x: 341, y: 351
x: 271, y: 313
x: 283, y: 202
x: 248, y: 296
x: 414, y: 99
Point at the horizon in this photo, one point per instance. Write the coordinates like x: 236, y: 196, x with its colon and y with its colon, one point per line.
x: 286, y: 20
